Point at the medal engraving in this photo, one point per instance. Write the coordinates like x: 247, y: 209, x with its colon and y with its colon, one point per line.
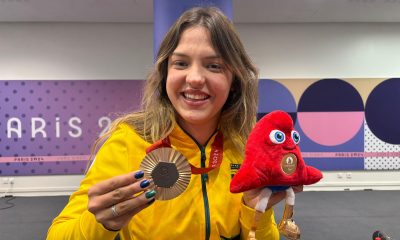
x: 165, y: 174
x: 289, y: 163
x: 169, y: 170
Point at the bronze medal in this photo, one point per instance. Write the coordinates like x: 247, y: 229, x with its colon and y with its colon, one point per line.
x: 169, y: 170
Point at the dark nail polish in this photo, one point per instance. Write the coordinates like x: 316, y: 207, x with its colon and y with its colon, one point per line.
x: 151, y: 201
x: 150, y: 194
x: 144, y: 183
x: 139, y: 174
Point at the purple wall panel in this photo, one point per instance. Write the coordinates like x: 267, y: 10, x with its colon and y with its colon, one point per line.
x: 48, y: 127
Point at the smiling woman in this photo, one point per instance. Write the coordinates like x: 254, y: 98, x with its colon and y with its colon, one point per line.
x: 200, y: 100
x: 198, y: 83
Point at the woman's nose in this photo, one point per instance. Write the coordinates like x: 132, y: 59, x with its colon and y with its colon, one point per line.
x: 195, y: 77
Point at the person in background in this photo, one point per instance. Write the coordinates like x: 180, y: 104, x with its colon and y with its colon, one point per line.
x: 201, y: 93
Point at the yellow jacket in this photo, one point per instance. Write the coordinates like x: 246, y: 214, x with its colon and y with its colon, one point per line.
x: 205, y: 210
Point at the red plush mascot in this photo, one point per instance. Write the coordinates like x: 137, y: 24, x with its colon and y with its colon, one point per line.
x: 273, y: 162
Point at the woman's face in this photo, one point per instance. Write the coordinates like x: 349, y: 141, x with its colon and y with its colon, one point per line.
x: 198, y: 81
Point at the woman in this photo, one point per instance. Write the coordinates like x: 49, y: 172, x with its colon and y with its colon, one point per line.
x: 203, y: 90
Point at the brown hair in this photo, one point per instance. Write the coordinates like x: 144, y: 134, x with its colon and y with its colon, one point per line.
x: 157, y: 117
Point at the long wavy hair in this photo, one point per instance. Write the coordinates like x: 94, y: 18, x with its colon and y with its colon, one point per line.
x: 157, y: 117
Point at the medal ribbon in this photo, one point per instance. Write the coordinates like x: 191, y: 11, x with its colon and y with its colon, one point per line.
x: 215, y: 155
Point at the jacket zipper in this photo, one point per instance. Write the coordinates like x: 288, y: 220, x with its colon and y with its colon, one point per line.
x: 204, y: 179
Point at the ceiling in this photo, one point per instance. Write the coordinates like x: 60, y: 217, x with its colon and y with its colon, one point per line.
x: 245, y: 11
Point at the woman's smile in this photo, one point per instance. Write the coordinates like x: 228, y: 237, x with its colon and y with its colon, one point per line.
x: 198, y: 81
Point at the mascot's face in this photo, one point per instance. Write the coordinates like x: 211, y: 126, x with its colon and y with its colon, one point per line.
x: 280, y: 141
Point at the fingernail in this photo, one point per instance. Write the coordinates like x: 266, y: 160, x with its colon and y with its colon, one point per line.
x: 144, y: 183
x: 150, y: 194
x: 151, y: 201
x: 139, y: 174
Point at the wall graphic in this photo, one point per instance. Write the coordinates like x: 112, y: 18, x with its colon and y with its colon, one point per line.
x: 345, y: 124
x: 48, y: 127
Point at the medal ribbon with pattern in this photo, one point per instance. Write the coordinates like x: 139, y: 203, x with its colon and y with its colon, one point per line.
x: 215, y: 155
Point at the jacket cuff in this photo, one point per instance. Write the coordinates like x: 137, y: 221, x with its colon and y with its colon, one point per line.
x: 92, y: 229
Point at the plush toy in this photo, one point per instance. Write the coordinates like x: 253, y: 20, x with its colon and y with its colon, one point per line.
x: 273, y: 162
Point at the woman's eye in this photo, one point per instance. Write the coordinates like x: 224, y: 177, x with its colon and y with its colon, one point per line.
x: 295, y: 137
x: 179, y: 64
x: 277, y: 136
x: 215, y: 67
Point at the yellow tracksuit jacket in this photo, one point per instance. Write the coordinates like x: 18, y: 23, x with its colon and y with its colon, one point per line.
x: 205, y: 210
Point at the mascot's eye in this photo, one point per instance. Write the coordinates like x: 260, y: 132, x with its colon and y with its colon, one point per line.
x: 277, y: 136
x: 295, y: 137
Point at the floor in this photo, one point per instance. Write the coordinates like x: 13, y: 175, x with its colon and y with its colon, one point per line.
x: 352, y: 215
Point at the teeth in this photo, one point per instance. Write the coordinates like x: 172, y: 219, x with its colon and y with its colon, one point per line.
x: 194, y: 96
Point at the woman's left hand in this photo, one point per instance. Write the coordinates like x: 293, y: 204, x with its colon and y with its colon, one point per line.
x: 251, y: 197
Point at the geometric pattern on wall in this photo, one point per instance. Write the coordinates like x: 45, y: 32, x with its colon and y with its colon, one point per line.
x: 385, y: 155
x: 331, y: 112
x: 273, y: 96
x: 382, y: 128
x: 48, y: 127
x: 382, y: 111
x: 331, y: 120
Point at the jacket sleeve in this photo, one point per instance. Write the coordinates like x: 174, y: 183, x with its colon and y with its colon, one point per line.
x: 266, y: 230
x: 75, y: 221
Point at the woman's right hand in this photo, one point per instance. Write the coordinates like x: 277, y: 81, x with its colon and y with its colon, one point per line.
x: 116, y: 200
